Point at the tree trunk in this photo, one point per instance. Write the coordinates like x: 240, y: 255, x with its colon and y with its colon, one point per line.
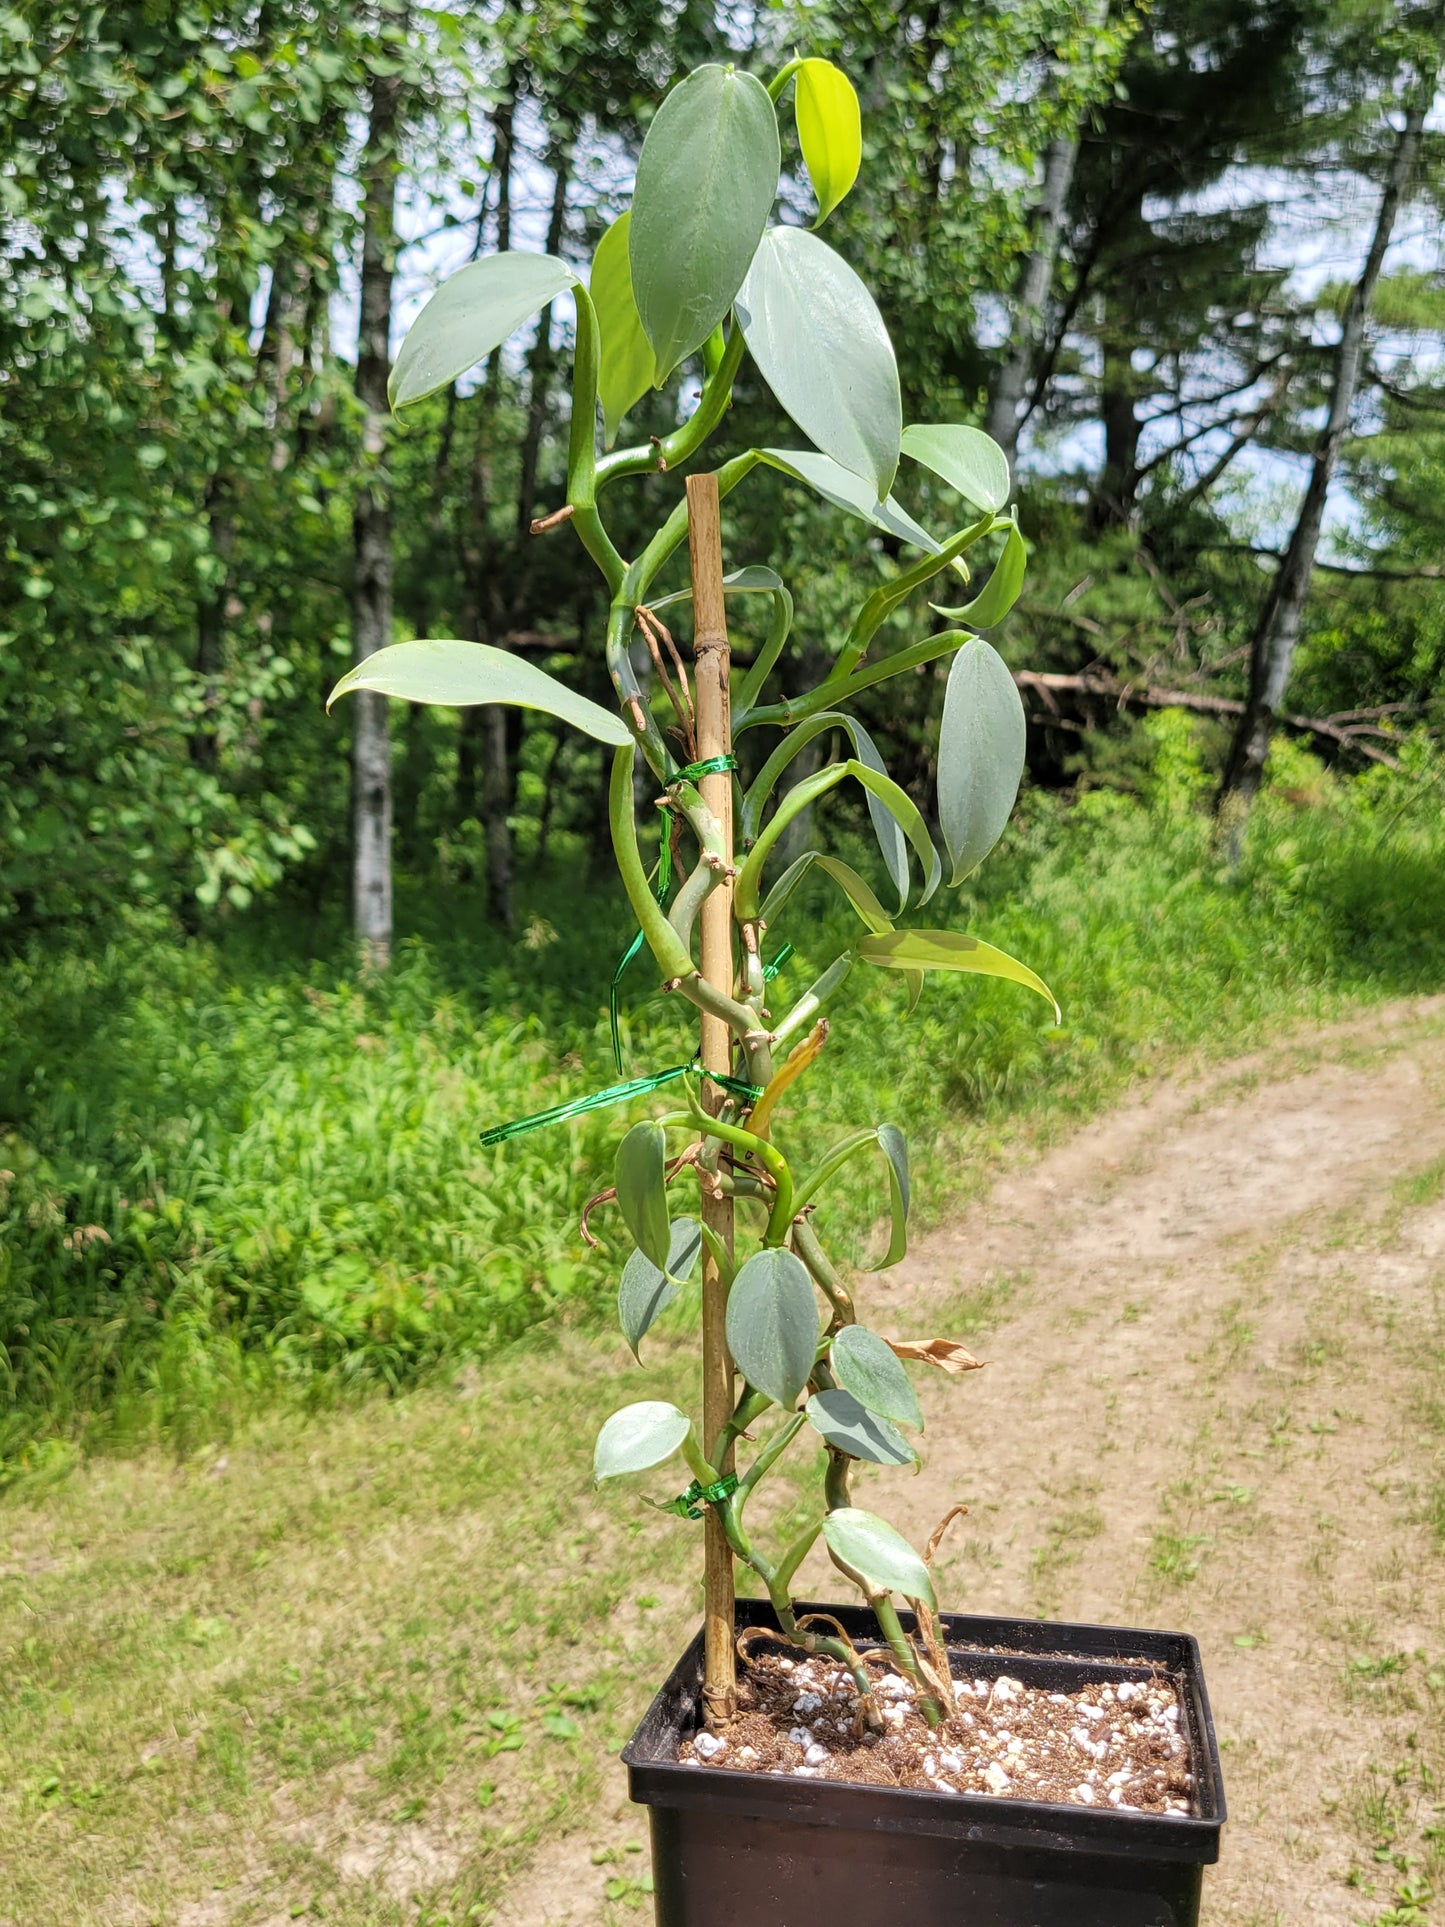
x: 1031, y: 296
x: 211, y: 621
x: 371, y: 535
x: 1277, y: 631
x: 1113, y: 504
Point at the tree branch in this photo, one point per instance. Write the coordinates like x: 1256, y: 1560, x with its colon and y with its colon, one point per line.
x: 1345, y: 730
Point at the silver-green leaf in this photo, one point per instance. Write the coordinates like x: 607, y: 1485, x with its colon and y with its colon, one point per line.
x: 772, y: 1324
x: 458, y: 674
x: 817, y: 336
x: 846, y: 1422
x: 873, y: 1554
x: 965, y: 458
x: 980, y: 754
x: 624, y: 364
x: 846, y: 490
x: 894, y: 1147
x: 647, y: 1289
x: 640, y: 1175
x: 868, y: 1367
x: 706, y: 180
x: 637, y: 1437
x: 470, y: 315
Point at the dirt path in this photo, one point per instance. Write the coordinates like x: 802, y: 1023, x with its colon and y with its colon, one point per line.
x: 1217, y: 1401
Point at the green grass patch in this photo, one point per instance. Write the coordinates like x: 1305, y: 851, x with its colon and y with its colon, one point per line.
x: 231, y: 1169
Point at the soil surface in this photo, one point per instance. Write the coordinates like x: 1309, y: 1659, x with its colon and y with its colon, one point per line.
x: 1105, y: 1744
x: 1215, y: 1402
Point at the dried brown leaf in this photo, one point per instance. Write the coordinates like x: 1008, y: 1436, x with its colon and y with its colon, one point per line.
x: 946, y: 1353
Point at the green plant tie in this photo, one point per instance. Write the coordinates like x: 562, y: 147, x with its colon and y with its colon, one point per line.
x: 686, y: 1506
x: 771, y: 970
x: 689, y: 773
x: 618, y: 1094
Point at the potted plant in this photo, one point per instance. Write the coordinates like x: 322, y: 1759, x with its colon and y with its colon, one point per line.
x: 907, y: 1763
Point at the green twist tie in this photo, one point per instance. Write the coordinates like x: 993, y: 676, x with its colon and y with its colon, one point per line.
x: 689, y: 773
x: 771, y: 970
x: 685, y: 1504
x: 713, y: 766
x: 618, y: 1094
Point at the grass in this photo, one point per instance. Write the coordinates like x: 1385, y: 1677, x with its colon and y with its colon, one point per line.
x: 338, y: 1629
x: 233, y: 1171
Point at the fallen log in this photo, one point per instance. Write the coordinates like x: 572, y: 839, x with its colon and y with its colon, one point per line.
x: 1347, y: 730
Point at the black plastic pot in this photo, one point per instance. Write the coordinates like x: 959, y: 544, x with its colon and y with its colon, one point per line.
x: 735, y: 1849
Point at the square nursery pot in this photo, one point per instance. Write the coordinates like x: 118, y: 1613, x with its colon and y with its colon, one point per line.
x: 738, y: 1849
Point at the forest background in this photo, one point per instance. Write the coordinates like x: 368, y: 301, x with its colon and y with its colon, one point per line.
x: 1182, y: 259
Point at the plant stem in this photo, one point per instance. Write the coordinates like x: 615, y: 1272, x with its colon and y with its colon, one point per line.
x: 711, y: 657
x: 904, y: 1656
x: 805, y: 1243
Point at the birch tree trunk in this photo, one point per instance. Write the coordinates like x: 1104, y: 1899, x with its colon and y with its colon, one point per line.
x: 371, y: 534
x: 1277, y: 632
x: 1031, y: 296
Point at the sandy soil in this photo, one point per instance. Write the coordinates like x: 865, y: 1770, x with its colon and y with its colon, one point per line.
x: 1217, y: 1401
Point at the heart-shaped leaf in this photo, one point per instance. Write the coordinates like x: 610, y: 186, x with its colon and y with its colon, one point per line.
x: 951, y: 950
x: 624, y: 368
x: 646, y: 1291
x: 894, y: 1147
x: 706, y: 179
x: 999, y: 594
x: 846, y: 1422
x: 965, y: 458
x: 458, y: 674
x: 830, y: 131
x: 638, y: 1436
x: 868, y: 1367
x: 845, y: 490
x: 818, y: 338
x: 772, y: 1324
x: 470, y: 315
x: 872, y: 1553
x: 640, y: 1175
x: 980, y: 754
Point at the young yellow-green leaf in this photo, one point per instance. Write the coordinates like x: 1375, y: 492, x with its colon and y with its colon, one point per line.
x: 965, y: 458
x: 624, y: 371
x: 868, y: 1367
x: 950, y: 950
x: 772, y: 1324
x: 640, y: 1175
x: 637, y: 1437
x: 870, y: 1551
x: 846, y: 490
x: 830, y: 131
x: 470, y: 315
x: 647, y: 1290
x: 981, y: 744
x: 845, y: 1422
x: 458, y: 674
x: 999, y: 593
x: 819, y: 341
x: 706, y: 180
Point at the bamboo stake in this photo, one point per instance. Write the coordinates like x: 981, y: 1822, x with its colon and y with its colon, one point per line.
x: 711, y: 660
